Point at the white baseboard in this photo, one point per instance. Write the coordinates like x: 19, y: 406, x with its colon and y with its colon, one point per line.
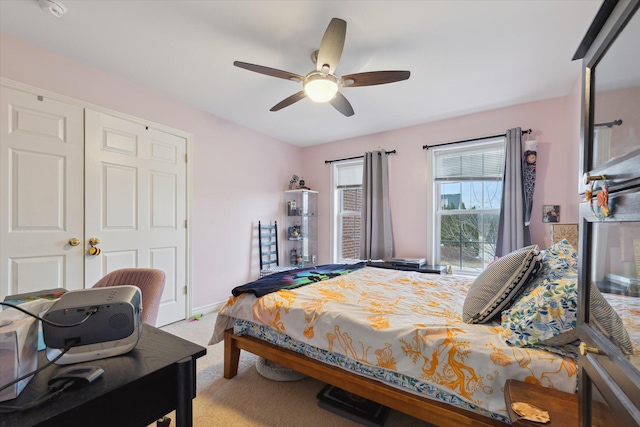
x: 211, y: 308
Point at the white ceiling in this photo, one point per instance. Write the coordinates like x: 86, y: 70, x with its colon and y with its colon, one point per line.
x: 464, y: 56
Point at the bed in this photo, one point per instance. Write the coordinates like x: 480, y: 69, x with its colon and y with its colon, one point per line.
x: 398, y: 337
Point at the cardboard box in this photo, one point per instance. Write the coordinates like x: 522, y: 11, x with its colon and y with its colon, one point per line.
x: 18, y: 353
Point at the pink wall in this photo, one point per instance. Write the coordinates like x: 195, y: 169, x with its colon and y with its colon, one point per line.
x: 555, y: 125
x: 232, y: 186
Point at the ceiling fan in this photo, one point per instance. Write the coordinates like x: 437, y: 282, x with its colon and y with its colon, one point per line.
x: 321, y: 84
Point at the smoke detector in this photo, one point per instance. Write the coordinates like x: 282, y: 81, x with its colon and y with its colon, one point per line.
x: 53, y: 7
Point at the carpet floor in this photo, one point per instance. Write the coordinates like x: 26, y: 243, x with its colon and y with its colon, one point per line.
x: 251, y: 400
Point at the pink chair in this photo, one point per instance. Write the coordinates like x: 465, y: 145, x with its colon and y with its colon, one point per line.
x: 149, y: 280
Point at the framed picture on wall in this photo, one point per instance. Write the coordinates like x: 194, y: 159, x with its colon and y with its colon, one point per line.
x: 551, y: 213
x: 560, y: 232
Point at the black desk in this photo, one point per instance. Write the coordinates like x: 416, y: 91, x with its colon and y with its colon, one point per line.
x: 136, y: 389
x: 435, y: 269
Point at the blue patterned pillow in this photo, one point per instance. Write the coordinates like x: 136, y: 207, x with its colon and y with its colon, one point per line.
x: 561, y: 252
x: 546, y: 310
x: 545, y: 313
x: 556, y: 259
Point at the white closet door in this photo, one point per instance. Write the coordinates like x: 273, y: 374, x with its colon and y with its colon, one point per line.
x: 41, y: 201
x: 136, y: 204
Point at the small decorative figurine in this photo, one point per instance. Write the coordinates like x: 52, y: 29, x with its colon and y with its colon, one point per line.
x: 294, y: 233
x: 293, y: 184
x: 303, y: 185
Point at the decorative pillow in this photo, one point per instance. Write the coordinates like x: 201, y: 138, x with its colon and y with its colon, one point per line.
x: 556, y: 259
x: 547, y: 314
x: 544, y: 313
x: 607, y: 320
x: 560, y: 252
x: 494, y: 289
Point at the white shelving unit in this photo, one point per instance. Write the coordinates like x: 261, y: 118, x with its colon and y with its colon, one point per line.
x: 301, y: 228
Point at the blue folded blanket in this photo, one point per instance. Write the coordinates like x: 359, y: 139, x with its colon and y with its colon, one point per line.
x: 292, y: 279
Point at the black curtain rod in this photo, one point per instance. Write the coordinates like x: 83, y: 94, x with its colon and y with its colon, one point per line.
x: 609, y: 124
x: 355, y: 157
x: 426, y: 147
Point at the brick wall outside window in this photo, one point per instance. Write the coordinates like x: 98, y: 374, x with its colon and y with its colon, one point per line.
x: 350, y: 216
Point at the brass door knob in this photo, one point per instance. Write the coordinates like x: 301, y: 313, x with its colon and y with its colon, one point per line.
x: 74, y: 241
x: 93, y: 250
x: 584, y: 349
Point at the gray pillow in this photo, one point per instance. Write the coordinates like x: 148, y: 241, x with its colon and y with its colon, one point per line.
x: 496, y: 287
x: 605, y: 318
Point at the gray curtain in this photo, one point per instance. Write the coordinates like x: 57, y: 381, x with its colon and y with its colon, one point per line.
x: 376, y: 236
x: 512, y: 231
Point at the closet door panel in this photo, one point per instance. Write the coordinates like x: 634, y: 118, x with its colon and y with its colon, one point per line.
x: 41, y: 182
x: 136, y: 203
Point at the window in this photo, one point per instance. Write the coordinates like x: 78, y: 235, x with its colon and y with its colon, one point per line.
x: 347, y: 205
x: 468, y: 191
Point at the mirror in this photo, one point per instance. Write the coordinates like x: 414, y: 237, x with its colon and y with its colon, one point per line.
x: 616, y: 136
x: 615, y: 270
x: 616, y: 102
x: 609, y: 321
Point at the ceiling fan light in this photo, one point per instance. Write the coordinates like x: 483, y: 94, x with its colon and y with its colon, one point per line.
x: 321, y: 87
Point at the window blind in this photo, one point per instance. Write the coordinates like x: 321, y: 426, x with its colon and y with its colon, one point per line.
x: 349, y: 175
x: 471, y: 163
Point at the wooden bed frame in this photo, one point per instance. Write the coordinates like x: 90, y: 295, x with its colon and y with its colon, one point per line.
x: 432, y: 411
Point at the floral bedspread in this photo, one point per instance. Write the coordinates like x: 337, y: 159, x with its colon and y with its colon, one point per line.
x: 406, y: 323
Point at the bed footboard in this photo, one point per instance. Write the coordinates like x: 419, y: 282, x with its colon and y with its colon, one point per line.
x: 432, y: 411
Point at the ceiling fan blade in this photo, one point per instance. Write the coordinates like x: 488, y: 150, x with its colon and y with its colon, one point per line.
x: 269, y: 71
x: 341, y: 104
x: 332, y: 44
x: 373, y: 78
x: 288, y: 101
